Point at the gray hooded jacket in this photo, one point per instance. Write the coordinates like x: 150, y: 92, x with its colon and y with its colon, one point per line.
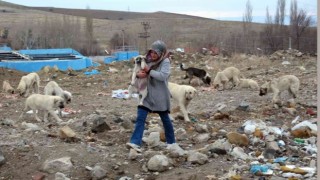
x: 158, y: 97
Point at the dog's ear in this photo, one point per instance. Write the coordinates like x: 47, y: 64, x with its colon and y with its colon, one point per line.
x: 195, y: 92
x: 57, y: 100
x: 132, y: 60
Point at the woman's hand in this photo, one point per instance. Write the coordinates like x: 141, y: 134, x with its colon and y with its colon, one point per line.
x: 142, y: 74
x: 146, y: 69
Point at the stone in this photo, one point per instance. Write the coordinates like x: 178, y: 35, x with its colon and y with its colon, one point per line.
x: 197, y: 158
x: 57, y: 165
x: 98, y: 173
x: 158, y: 163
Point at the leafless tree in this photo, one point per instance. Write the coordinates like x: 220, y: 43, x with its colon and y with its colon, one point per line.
x: 116, y: 41
x: 275, y: 29
x: 299, y: 22
x: 247, y: 20
x: 280, y: 13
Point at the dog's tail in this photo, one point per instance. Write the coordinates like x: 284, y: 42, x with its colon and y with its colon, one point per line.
x: 182, y: 68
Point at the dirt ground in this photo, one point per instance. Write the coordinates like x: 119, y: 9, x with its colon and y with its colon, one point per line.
x: 26, y: 151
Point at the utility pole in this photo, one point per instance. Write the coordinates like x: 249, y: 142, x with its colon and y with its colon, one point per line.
x: 145, y: 34
x: 122, y: 40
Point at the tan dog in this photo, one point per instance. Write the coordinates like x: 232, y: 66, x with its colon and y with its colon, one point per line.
x: 43, y: 102
x: 53, y: 89
x: 229, y: 74
x: 287, y: 82
x: 46, y: 69
x: 138, y: 85
x: 182, y: 94
x: 249, y: 83
x: 27, y: 83
x: 7, y: 87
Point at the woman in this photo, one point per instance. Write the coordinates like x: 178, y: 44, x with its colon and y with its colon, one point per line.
x: 158, y: 97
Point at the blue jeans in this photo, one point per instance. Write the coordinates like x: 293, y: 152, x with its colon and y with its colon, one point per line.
x: 142, y: 114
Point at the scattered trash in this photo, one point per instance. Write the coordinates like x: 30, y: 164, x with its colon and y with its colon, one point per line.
x: 285, y: 63
x: 120, y: 93
x: 298, y: 140
x: 280, y: 160
x: 308, y: 124
x: 66, y: 111
x: 194, y: 119
x: 311, y: 112
x: 31, y: 112
x: 295, y: 120
x: 281, y: 143
x: 293, y: 169
x: 261, y: 170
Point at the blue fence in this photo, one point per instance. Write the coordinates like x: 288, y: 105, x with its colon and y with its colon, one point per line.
x: 120, y: 56
x: 77, y: 63
x: 49, y: 51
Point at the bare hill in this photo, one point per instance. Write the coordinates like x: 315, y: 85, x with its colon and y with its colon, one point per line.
x: 176, y: 29
x: 114, y: 15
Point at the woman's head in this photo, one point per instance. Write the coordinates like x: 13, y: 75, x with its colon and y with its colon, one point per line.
x: 157, y: 50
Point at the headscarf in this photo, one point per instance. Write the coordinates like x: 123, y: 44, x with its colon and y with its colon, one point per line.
x: 159, y: 47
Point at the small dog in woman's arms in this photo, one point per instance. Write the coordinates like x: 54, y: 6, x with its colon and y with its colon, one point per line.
x: 138, y: 85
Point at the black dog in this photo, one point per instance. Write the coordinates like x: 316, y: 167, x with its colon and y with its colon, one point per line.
x: 200, y: 73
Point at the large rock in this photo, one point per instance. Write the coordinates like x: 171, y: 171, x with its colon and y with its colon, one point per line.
x: 57, y: 165
x: 197, y: 158
x: 158, y: 163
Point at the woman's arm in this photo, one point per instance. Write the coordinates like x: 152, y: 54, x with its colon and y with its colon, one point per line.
x: 164, y: 72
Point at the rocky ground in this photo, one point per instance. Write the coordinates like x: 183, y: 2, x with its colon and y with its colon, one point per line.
x: 90, y: 144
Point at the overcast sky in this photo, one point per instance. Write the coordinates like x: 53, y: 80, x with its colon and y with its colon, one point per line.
x: 215, y: 9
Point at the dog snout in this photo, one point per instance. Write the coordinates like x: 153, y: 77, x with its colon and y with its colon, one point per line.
x: 68, y: 101
x: 138, y: 61
x: 61, y: 105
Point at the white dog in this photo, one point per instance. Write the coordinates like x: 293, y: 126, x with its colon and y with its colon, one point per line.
x: 138, y: 85
x: 53, y: 89
x: 228, y: 74
x: 43, y: 102
x: 27, y: 83
x: 287, y: 82
x: 249, y: 83
x: 182, y: 94
x: 7, y: 87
